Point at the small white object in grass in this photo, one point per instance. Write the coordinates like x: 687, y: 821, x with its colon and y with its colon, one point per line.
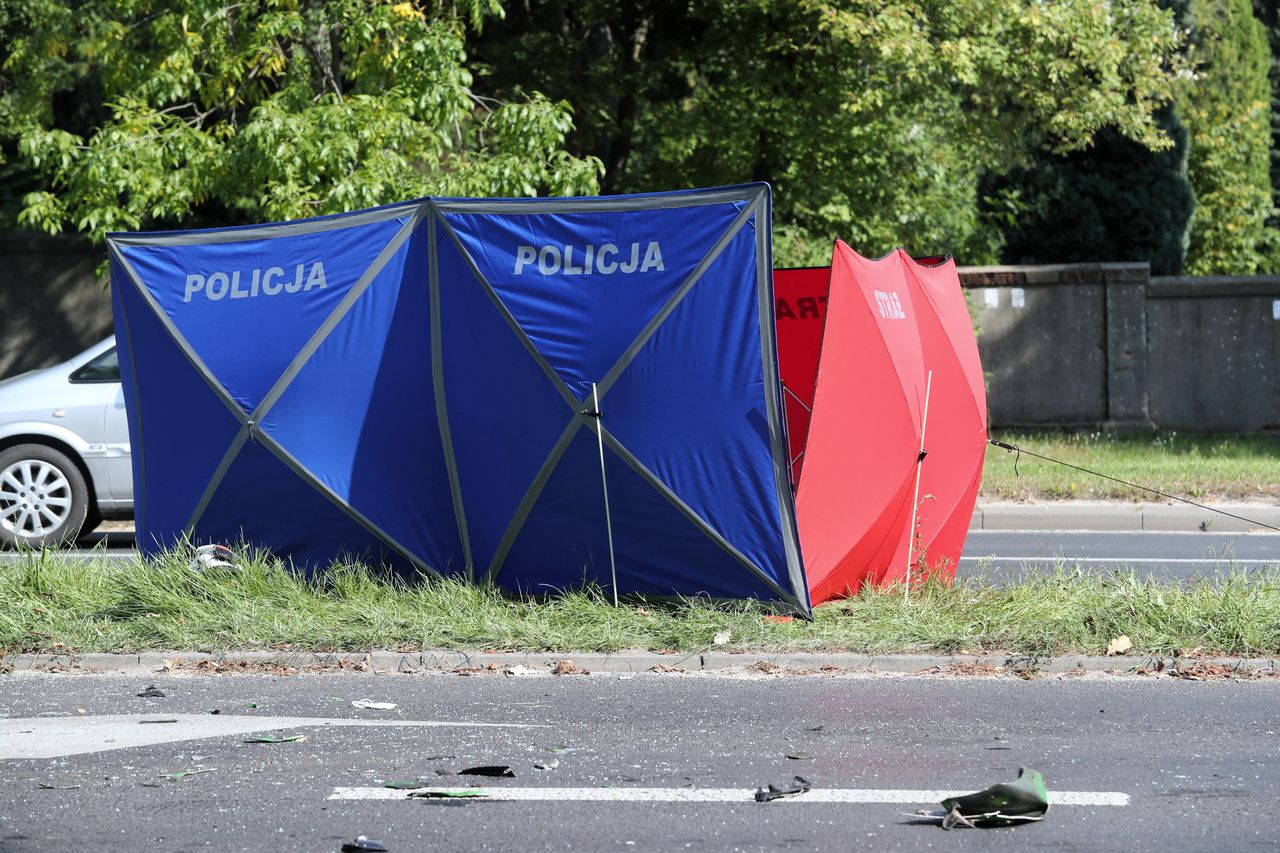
x: 1119, y: 645
x: 517, y: 669
x: 213, y: 557
x: 721, y: 638
x: 369, y: 705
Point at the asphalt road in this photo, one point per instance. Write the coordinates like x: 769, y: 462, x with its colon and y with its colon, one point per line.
x: 1173, y: 766
x: 1008, y: 554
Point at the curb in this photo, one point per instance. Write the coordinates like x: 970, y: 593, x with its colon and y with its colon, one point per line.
x: 1112, y: 516
x: 383, y: 662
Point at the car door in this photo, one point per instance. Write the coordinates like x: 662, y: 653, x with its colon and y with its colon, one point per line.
x: 109, y: 454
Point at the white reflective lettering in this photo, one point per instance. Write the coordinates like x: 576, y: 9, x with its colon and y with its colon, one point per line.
x: 549, y: 260
x: 524, y: 257
x: 295, y: 285
x: 269, y: 284
x: 195, y: 283
x: 569, y: 268
x: 606, y: 267
x: 236, y: 291
x: 653, y: 258
x: 630, y: 267
x: 217, y: 285
x: 316, y: 277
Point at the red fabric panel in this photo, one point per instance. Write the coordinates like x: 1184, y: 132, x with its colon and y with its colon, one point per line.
x: 956, y: 431
x: 800, y: 303
x: 853, y: 504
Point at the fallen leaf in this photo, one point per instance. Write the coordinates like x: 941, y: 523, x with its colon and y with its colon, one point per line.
x: 568, y: 667
x: 773, y: 617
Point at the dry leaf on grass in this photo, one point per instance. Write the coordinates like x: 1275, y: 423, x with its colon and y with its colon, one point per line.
x: 568, y: 667
x: 1119, y: 645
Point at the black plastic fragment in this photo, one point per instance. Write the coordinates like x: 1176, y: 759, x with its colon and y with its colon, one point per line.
x: 773, y: 792
x: 152, y: 692
x: 497, y: 770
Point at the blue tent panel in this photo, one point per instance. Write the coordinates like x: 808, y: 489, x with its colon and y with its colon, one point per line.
x: 564, y: 542
x: 360, y: 415
x: 261, y: 500
x: 700, y: 423
x: 247, y: 307
x: 179, y: 427
x: 505, y: 413
x: 583, y: 285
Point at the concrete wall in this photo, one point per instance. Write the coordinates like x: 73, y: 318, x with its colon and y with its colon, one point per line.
x: 1106, y: 345
x: 1215, y: 353
x: 51, y: 305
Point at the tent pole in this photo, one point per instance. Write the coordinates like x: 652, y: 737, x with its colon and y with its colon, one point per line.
x: 608, y: 518
x: 915, y: 500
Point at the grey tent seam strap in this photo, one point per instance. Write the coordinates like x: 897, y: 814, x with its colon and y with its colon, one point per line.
x: 181, y: 342
x: 259, y: 232
x: 602, y: 204
x: 442, y: 411
x: 351, y: 512
x: 656, y: 483
x: 775, y: 407
x: 570, y: 398
x: 668, y: 308
x: 531, y: 496
x: 335, y: 317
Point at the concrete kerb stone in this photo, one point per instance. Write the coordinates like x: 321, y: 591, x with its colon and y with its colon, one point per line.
x: 386, y: 661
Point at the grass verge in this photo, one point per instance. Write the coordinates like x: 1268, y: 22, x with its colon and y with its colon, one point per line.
x: 1190, y: 466
x: 52, y: 604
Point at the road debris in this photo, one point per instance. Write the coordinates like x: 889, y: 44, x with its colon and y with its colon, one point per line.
x: 152, y: 692
x: 1119, y: 645
x: 1004, y: 804
x: 275, y: 739
x: 182, y: 774
x: 799, y: 756
x: 47, y: 787
x: 370, y: 705
x: 547, y: 765
x: 448, y: 794
x: 145, y: 722
x: 364, y: 844
x: 568, y: 667
x: 773, y: 792
x: 496, y: 770
x: 213, y: 557
x: 406, y: 786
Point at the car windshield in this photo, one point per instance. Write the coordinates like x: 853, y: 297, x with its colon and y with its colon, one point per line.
x: 104, y: 368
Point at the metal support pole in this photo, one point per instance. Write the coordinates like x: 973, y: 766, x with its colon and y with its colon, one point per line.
x: 915, y: 500
x: 608, y: 518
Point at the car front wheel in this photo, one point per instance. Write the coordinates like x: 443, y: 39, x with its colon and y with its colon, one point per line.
x: 43, y: 497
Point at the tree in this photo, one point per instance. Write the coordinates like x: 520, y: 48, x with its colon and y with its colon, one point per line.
x: 1228, y: 113
x: 873, y: 121
x: 1114, y: 201
x: 192, y: 111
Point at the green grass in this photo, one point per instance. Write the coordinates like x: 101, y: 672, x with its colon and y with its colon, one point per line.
x: 54, y: 605
x: 1196, y: 467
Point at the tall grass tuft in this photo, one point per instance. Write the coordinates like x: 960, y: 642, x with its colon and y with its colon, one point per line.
x: 56, y: 604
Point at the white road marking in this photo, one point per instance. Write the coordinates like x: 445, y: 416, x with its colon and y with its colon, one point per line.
x: 720, y: 795
x: 54, y: 737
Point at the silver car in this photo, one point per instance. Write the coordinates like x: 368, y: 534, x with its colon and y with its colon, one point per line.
x: 64, y: 450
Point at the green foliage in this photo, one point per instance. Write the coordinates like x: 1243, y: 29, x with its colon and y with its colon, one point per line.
x: 1228, y: 112
x: 261, y: 110
x: 1114, y: 201
x: 873, y: 121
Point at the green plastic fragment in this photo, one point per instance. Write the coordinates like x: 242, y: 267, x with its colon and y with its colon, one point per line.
x: 275, y: 738
x: 1025, y: 799
x: 403, y: 786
